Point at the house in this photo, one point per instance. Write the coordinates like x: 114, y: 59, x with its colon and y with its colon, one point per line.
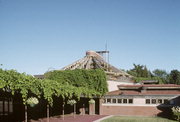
x: 141, y: 100
x: 124, y: 96
x: 94, y: 60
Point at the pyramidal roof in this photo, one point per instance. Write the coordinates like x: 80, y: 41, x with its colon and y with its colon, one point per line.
x: 94, y: 60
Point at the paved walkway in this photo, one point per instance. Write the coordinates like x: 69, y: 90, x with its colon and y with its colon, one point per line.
x: 70, y: 118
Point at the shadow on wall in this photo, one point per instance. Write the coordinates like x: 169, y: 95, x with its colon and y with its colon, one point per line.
x: 82, y: 107
x: 40, y: 110
x: 13, y: 110
x: 165, y: 109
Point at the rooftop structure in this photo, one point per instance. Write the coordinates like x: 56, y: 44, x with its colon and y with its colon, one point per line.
x: 95, y: 60
x: 161, y: 89
x: 39, y: 76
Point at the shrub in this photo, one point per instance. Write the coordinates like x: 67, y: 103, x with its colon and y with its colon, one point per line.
x: 32, y: 101
x: 176, y: 112
x: 71, y: 102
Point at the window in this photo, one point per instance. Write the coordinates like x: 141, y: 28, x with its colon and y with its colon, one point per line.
x: 119, y: 100
x: 108, y: 100
x: 148, y: 101
x: 166, y: 101
x: 6, y: 106
x: 153, y: 101
x: 124, y: 100
x: 130, y: 101
x: 160, y: 101
x: 113, y: 100
x: 10, y: 106
x: 157, y: 101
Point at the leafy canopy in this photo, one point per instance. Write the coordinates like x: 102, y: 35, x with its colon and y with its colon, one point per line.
x: 14, y: 82
x: 94, y: 79
x: 65, y: 84
x: 174, y: 77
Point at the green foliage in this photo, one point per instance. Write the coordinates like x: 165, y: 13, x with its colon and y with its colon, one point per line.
x: 71, y: 102
x: 174, y: 77
x: 91, y: 101
x: 53, y: 88
x: 139, y: 71
x: 32, y: 101
x: 160, y: 73
x: 139, y: 79
x: 90, y: 79
x: 28, y: 86
x: 176, y: 112
x: 161, y: 76
x: 12, y: 81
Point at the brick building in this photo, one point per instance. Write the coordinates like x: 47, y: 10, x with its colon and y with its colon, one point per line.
x: 126, y: 97
x: 141, y: 100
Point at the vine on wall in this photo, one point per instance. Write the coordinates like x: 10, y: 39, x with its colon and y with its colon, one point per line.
x: 67, y: 84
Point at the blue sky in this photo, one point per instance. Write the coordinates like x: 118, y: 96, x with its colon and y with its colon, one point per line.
x: 41, y: 35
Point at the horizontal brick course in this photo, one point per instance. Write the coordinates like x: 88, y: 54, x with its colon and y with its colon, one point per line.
x: 130, y: 110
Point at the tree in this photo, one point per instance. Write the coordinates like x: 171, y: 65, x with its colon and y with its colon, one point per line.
x: 139, y: 71
x: 67, y: 85
x: 174, y: 77
x: 162, y: 75
x: 145, y: 72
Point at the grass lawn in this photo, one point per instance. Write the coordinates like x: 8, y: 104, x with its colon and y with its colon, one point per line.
x: 136, y: 119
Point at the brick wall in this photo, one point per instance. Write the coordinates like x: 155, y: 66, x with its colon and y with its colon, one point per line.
x: 130, y: 110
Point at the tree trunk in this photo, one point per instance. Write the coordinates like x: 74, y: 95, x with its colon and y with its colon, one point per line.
x: 47, y: 112
x: 63, y: 111
x: 74, y: 110
x: 26, y: 113
x: 84, y: 112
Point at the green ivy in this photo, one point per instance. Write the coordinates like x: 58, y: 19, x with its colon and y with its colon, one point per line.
x: 12, y: 81
x: 94, y: 79
x: 65, y: 84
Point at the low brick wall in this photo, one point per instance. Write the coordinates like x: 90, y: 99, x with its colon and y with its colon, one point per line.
x: 130, y: 110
